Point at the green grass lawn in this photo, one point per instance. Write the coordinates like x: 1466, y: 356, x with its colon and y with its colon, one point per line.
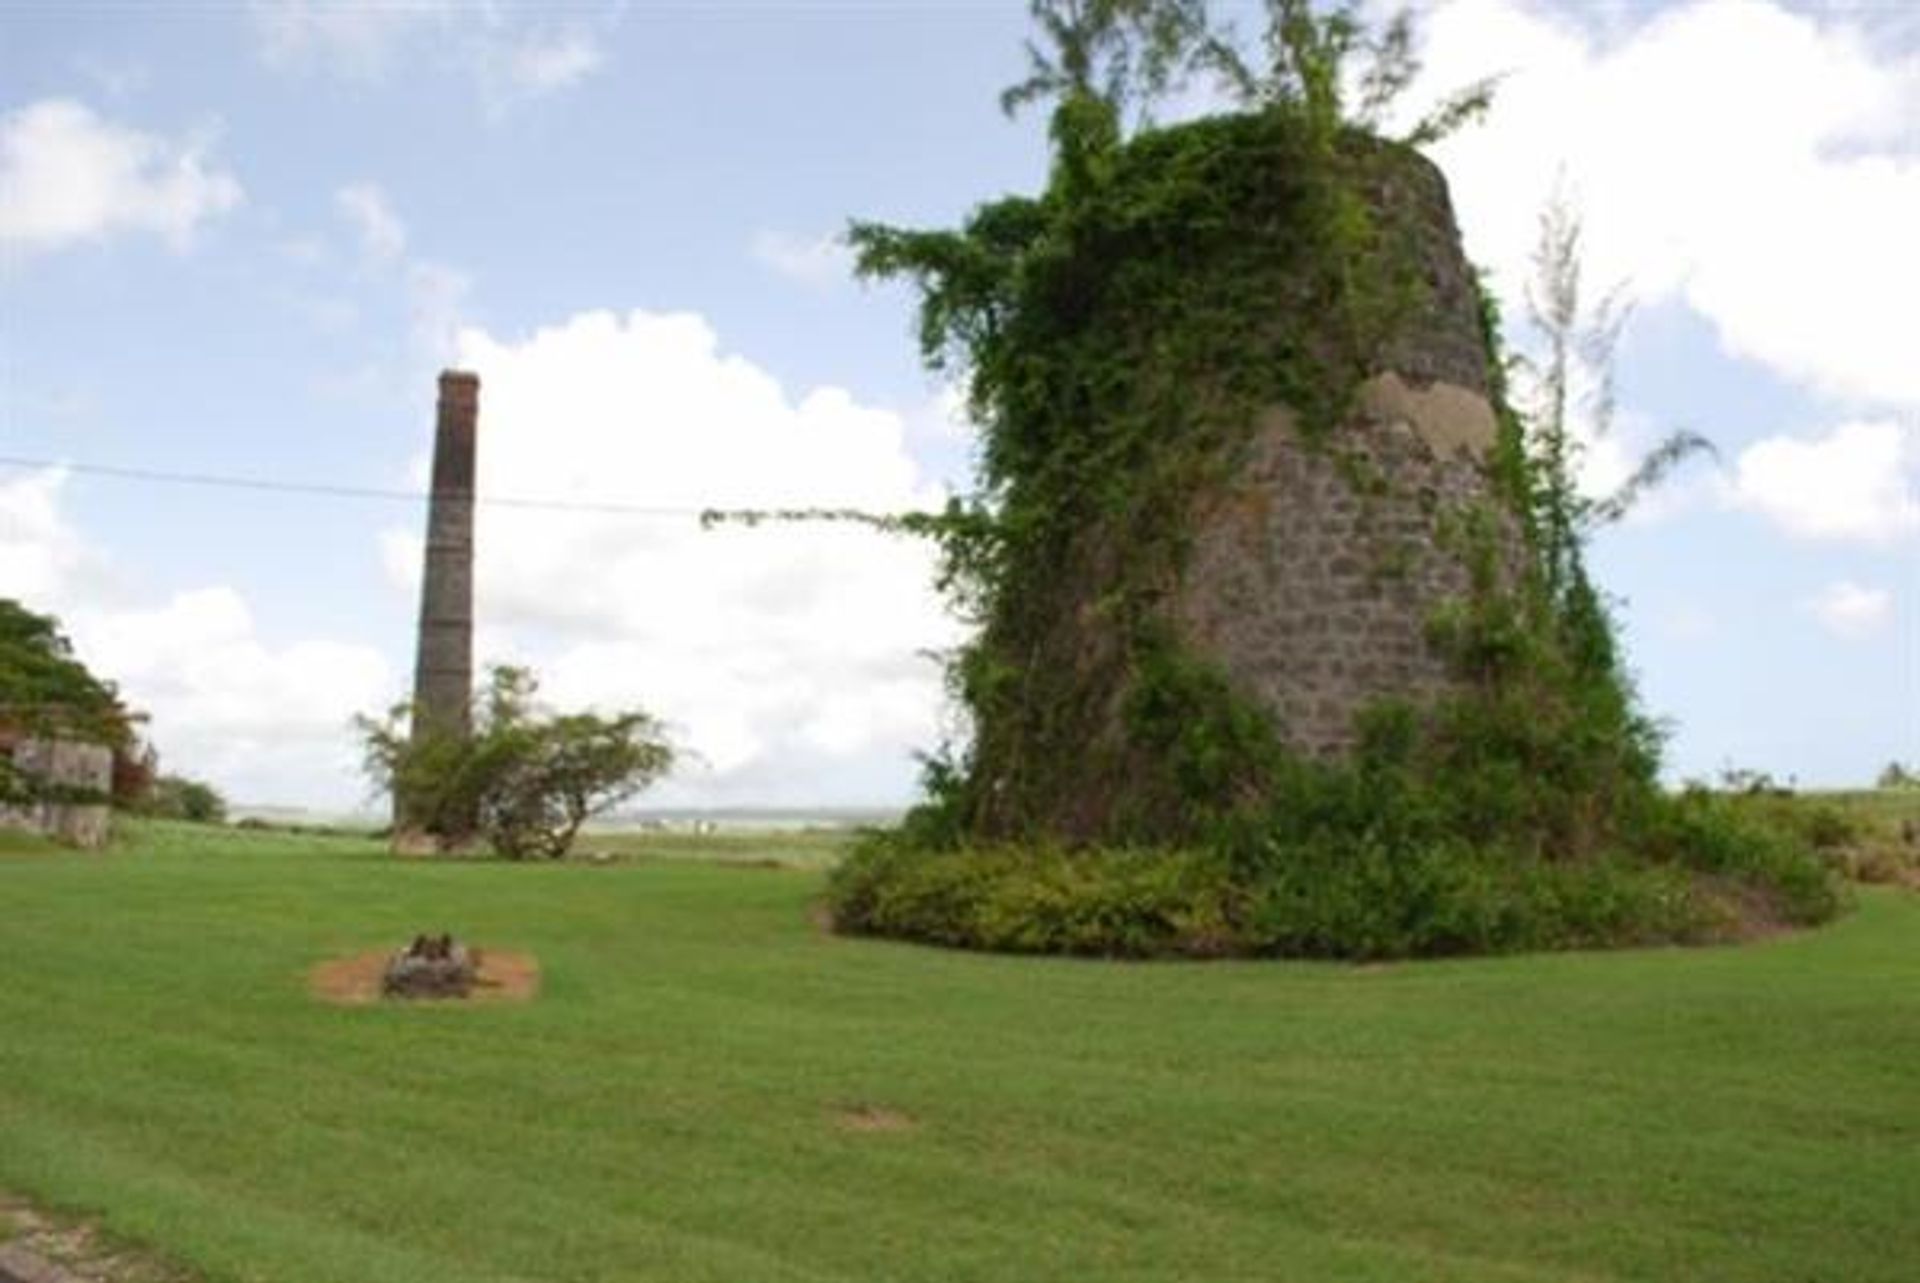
x: 670, y: 1108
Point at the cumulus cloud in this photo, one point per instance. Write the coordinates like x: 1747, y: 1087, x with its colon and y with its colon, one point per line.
x: 39, y: 552
x: 1774, y: 192
x: 435, y: 294
x: 383, y: 237
x: 348, y: 37
x: 544, y: 62
x: 1860, y: 482
x: 265, y: 723
x: 1850, y: 610
x: 810, y: 260
x: 68, y: 176
x: 508, y: 55
x: 790, y: 656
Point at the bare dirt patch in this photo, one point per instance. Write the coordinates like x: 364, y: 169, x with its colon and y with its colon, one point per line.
x: 862, y: 1116
x: 499, y: 976
x: 35, y: 1244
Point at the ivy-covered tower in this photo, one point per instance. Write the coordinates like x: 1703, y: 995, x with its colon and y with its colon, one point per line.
x: 1240, y: 429
x: 1319, y: 560
x: 1285, y: 643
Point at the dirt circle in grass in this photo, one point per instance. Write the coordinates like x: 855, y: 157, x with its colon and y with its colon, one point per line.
x: 499, y: 976
x: 863, y: 1116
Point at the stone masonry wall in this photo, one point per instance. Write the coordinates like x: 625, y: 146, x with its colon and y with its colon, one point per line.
x: 1315, y: 573
x: 1311, y: 569
x: 66, y: 764
x: 1313, y: 580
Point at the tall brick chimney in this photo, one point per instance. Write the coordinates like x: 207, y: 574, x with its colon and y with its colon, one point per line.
x: 443, y: 668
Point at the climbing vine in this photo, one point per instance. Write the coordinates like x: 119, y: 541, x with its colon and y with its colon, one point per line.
x: 1119, y: 336
x: 1116, y: 378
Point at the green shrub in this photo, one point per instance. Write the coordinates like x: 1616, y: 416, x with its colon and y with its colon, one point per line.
x: 1115, y: 903
x: 1376, y: 901
x: 525, y: 779
x: 175, y: 797
x: 1331, y: 892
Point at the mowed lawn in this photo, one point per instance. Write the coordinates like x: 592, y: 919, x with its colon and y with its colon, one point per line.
x: 676, y: 1104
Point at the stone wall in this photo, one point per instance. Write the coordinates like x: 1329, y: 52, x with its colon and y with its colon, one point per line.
x: 1309, y: 566
x: 65, y: 765
x: 1313, y: 578
x: 1315, y: 573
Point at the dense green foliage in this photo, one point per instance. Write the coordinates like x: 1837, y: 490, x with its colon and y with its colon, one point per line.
x: 670, y: 1109
x: 529, y: 779
x: 1870, y: 837
x: 1113, y: 381
x: 1120, y: 335
x: 175, y: 797
x: 46, y: 691
x: 1344, y: 866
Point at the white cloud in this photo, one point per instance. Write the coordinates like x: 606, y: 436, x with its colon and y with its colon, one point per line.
x: 504, y: 53
x: 383, y: 237
x: 1758, y: 164
x: 39, y: 552
x: 816, y: 261
x: 542, y: 64
x: 778, y: 650
x: 353, y: 38
x: 1849, y: 610
x: 265, y: 723
x: 68, y: 176
x: 1860, y: 482
x: 435, y: 294
x: 942, y: 439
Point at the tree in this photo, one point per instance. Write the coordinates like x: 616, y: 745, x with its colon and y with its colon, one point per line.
x: 1118, y: 52
x: 1302, y: 67
x: 1896, y: 776
x: 175, y: 797
x: 44, y: 690
x: 1575, y: 379
x: 532, y: 778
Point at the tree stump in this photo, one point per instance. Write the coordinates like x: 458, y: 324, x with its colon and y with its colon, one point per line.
x: 431, y: 967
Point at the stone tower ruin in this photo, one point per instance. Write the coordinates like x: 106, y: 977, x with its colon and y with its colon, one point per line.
x: 1316, y: 572
x: 443, y: 667
x: 1313, y: 554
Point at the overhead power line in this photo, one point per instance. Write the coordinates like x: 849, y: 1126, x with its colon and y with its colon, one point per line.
x: 274, y: 486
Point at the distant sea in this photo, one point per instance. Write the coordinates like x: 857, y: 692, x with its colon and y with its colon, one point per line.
x: 744, y: 819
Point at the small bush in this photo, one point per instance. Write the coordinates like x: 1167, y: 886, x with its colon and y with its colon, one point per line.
x: 174, y: 797
x: 524, y: 779
x: 1131, y: 904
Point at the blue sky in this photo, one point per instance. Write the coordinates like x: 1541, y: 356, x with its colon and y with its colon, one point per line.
x: 241, y: 239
